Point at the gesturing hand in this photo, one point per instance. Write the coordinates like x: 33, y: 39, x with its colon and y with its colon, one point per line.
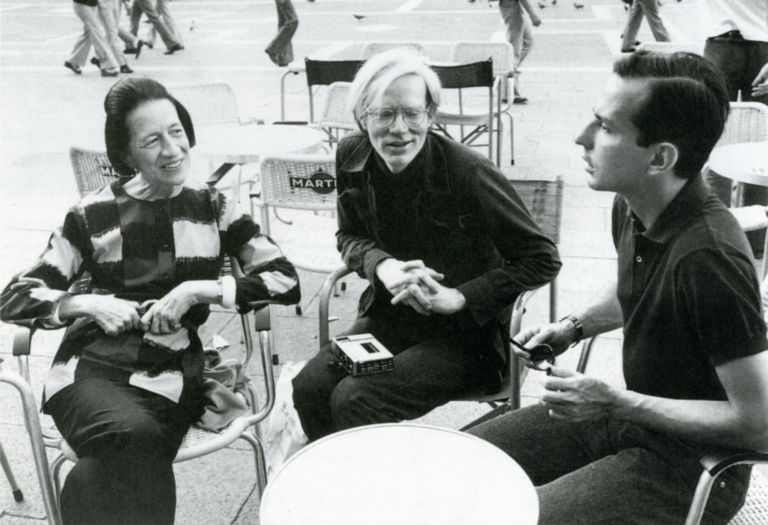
x: 409, y: 282
x: 164, y: 316
x: 576, y: 397
x: 557, y: 335
x: 113, y: 315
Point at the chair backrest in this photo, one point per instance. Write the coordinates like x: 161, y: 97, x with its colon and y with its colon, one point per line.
x: 544, y: 200
x: 325, y: 73
x: 473, y: 74
x: 92, y: 170
x: 671, y: 47
x: 374, y: 48
x: 747, y: 122
x: 209, y: 103
x: 501, y: 53
x: 334, y: 117
x: 305, y: 182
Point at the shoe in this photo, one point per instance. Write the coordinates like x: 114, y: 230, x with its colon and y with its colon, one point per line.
x: 125, y: 68
x: 542, y: 5
x: 75, y: 69
x: 109, y: 72
x: 174, y: 48
x: 519, y: 100
x: 130, y: 50
x: 96, y: 62
x: 578, y: 5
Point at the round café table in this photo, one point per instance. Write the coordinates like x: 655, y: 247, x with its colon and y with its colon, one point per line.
x: 232, y: 144
x: 392, y: 474
x: 744, y: 162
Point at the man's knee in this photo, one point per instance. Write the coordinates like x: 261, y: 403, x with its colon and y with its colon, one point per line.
x: 354, y: 403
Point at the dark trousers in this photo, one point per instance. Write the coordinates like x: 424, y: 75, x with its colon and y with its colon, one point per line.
x: 125, y: 439
x: 280, y: 50
x: 430, y: 369
x: 740, y: 60
x: 608, y: 471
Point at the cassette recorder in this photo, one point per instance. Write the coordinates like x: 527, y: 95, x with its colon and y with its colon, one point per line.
x: 362, y: 354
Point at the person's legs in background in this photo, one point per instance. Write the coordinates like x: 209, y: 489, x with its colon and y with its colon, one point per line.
x: 634, y: 19
x: 517, y: 29
x: 93, y: 34
x: 651, y: 9
x: 108, y: 10
x: 148, y: 8
x: 125, y: 439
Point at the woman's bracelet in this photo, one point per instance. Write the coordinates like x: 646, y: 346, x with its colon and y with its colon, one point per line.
x: 227, y: 289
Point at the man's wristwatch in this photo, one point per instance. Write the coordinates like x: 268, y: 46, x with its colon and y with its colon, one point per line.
x: 577, y: 325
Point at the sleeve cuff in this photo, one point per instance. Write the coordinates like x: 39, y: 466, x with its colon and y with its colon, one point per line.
x: 54, y: 321
x: 228, y: 291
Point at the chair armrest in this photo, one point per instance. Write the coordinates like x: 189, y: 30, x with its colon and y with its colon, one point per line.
x: 324, y: 297
x: 22, y: 341
x: 715, y: 464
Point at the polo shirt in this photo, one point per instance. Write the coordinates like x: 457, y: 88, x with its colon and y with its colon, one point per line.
x: 689, y: 295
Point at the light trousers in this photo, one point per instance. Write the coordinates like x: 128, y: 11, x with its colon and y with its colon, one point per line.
x: 94, y: 34
x: 650, y: 10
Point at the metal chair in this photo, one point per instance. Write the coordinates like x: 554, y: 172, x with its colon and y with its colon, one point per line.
x: 35, y: 433
x: 755, y: 509
x: 326, y: 72
x: 544, y: 201
x: 335, y: 120
x: 374, y: 48
x: 209, y: 103
x: 503, y: 56
x: 481, y: 119
x: 18, y: 495
x: 303, y: 182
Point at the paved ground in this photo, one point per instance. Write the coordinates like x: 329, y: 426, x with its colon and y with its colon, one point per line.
x: 46, y: 109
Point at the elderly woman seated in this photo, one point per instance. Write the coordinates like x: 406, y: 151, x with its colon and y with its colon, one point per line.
x: 126, y: 381
x: 445, y: 243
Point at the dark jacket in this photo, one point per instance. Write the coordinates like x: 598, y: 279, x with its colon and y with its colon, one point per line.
x: 457, y: 213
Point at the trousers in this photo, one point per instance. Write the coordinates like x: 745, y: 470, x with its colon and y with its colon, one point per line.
x: 159, y: 23
x: 518, y: 34
x: 740, y: 60
x: 125, y: 439
x: 649, y: 9
x: 430, y: 369
x: 93, y: 34
x: 607, y: 471
x: 280, y: 49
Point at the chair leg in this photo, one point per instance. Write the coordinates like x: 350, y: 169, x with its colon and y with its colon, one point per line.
x: 17, y: 494
x: 696, y: 510
x: 261, y: 462
x: 56, y: 465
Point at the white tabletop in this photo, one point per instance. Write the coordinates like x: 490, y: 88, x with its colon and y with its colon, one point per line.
x: 246, y: 144
x: 742, y: 162
x: 399, y: 474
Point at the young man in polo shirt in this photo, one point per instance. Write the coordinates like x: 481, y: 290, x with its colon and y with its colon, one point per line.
x: 687, y: 297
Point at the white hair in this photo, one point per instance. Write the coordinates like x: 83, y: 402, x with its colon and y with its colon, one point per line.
x: 380, y: 71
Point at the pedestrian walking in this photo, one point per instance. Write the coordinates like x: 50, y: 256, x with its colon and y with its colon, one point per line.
x: 650, y: 10
x: 520, y: 36
x: 94, y: 34
x: 152, y: 8
x: 280, y: 49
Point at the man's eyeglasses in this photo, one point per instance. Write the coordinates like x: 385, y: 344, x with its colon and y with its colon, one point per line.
x: 386, y: 116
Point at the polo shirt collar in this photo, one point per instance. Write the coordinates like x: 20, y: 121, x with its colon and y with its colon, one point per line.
x: 678, y: 213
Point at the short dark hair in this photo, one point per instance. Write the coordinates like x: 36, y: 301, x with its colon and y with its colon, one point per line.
x: 123, y: 97
x: 687, y: 104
